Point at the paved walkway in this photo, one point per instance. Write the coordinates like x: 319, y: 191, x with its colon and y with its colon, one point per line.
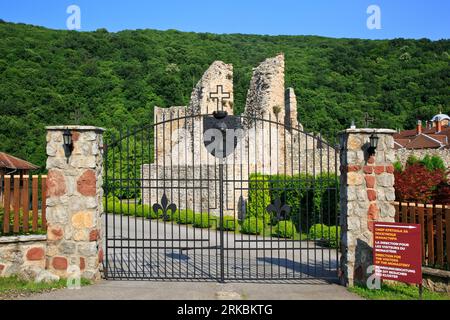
x: 149, y: 290
x: 138, y: 248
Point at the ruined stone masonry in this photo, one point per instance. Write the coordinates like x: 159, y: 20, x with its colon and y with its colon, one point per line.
x: 276, y: 145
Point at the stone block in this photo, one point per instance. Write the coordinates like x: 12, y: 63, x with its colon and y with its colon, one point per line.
x: 371, y: 195
x: 385, y: 180
x: 83, y: 219
x: 67, y: 248
x: 354, y: 142
x: 35, y: 253
x: 83, y: 162
x: 370, y: 181
x: 56, y: 183
x: 59, y: 263
x: 87, y: 184
x: 354, y: 179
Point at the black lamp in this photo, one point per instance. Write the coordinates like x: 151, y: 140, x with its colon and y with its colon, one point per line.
x: 373, y: 144
x: 68, y: 143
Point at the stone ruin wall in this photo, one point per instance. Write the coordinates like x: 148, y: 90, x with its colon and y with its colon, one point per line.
x: 268, y: 147
x: 402, y: 155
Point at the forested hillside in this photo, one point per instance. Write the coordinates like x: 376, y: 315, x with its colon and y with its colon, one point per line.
x: 113, y: 80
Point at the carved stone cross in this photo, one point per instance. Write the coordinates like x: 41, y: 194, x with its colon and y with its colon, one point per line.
x: 219, y: 96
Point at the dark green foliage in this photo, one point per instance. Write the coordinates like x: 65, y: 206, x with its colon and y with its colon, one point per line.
x: 128, y: 208
x: 259, y: 197
x: 398, y: 166
x: 184, y: 217
x: 202, y: 220
x: 311, y: 199
x: 433, y: 163
x: 330, y: 235
x: 114, y: 80
x: 229, y: 223
x: 252, y: 225
x: 319, y: 232
x: 284, y: 229
x: 412, y: 160
x: 335, y: 236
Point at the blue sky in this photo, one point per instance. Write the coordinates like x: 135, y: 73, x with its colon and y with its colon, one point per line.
x: 333, y: 18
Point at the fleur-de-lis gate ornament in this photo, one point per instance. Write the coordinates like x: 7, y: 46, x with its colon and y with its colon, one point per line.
x: 165, y: 207
x: 277, y: 209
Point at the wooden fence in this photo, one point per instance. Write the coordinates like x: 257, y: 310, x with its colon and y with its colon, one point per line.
x: 23, y: 204
x: 435, y: 222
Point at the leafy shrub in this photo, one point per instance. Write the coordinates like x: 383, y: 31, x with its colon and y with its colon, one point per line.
x: 417, y: 183
x: 437, y: 163
x: 284, y: 229
x: 433, y: 163
x: 202, y: 220
x: 398, y: 166
x: 311, y: 199
x: 252, y: 225
x: 319, y: 232
x: 330, y: 235
x: 184, y: 216
x: 147, y: 212
x: 258, y: 196
x: 412, y: 159
x: 335, y: 236
x: 229, y: 223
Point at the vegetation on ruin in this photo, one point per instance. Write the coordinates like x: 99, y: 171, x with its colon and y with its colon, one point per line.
x: 113, y: 80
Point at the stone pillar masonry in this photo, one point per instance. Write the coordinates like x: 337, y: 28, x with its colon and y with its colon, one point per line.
x: 366, y: 195
x: 74, y: 202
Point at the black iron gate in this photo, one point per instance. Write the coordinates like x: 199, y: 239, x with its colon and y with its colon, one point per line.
x: 220, y: 197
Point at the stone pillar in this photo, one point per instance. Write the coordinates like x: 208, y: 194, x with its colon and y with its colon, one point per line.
x: 366, y: 195
x: 74, y: 202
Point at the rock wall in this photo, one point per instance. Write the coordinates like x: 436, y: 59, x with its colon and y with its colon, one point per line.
x: 366, y: 195
x: 402, y: 155
x: 74, y: 202
x: 25, y: 257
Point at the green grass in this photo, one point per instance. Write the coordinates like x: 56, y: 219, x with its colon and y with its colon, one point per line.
x: 398, y: 291
x: 13, y: 286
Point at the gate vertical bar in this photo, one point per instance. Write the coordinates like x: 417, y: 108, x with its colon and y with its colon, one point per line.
x: 106, y: 189
x: 221, y: 200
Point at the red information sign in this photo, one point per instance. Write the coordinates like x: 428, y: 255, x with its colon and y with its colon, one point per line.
x: 396, y: 252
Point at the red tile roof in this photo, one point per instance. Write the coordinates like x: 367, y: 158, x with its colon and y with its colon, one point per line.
x: 429, y: 138
x: 10, y: 162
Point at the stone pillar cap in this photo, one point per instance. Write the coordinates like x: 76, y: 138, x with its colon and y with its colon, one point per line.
x: 74, y: 127
x: 368, y: 130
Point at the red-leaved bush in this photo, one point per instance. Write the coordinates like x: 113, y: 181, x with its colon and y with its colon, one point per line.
x: 443, y: 190
x: 417, y: 184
